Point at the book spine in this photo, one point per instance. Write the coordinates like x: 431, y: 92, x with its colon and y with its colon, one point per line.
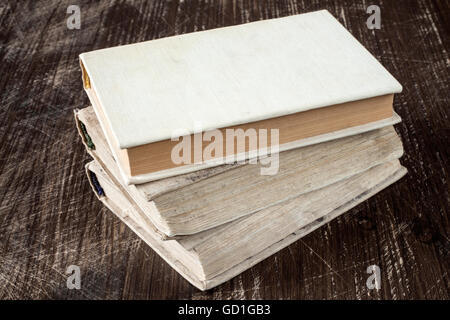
x: 85, y: 76
x: 94, y: 183
x: 82, y: 131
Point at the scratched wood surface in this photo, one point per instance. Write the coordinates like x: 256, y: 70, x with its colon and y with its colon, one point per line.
x: 50, y: 219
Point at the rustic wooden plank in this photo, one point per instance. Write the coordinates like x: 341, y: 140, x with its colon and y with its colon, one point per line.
x: 50, y: 219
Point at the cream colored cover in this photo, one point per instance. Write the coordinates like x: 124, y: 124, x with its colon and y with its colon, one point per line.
x: 229, y: 76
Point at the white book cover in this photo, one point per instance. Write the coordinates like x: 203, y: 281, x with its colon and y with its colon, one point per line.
x: 233, y: 75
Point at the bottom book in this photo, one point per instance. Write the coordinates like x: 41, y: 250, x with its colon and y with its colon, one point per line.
x: 211, y: 257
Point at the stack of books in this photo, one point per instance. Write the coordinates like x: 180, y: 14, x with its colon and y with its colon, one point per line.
x: 219, y: 148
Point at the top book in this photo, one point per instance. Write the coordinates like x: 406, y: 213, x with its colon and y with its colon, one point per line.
x: 305, y: 75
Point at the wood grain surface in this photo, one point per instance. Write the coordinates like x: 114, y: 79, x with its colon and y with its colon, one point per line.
x: 50, y: 219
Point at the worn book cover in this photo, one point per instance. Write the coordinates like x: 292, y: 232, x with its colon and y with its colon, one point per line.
x: 212, y: 257
x: 194, y: 202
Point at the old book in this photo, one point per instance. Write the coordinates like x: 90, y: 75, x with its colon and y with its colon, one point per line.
x: 294, y: 81
x: 212, y: 257
x: 198, y: 201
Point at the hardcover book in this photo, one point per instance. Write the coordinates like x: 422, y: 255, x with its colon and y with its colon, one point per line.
x: 212, y: 257
x: 291, y: 81
x: 198, y: 201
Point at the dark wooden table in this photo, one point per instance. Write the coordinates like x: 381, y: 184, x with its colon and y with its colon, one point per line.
x: 50, y: 219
